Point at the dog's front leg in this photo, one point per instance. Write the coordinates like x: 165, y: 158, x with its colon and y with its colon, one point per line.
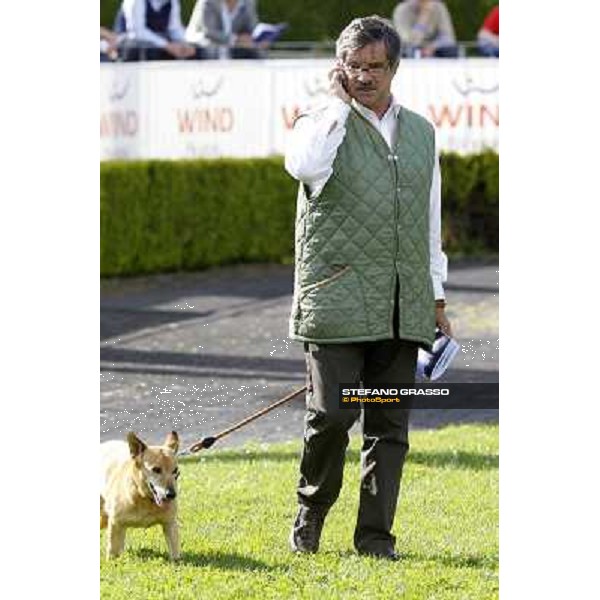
x: 171, y: 531
x: 115, y: 540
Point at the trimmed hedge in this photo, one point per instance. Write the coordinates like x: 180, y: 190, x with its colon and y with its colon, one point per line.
x: 470, y: 193
x: 162, y: 216
x: 320, y: 20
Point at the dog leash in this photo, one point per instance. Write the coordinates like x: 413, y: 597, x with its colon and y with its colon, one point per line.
x: 208, y: 441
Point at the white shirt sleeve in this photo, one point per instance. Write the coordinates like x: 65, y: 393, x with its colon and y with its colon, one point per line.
x: 438, y: 262
x: 313, y: 144
x: 134, y: 12
x: 176, y: 30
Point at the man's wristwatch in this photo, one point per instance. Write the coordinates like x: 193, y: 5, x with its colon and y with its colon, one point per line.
x: 440, y: 303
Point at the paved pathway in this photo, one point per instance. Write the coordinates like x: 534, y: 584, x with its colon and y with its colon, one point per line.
x: 198, y: 352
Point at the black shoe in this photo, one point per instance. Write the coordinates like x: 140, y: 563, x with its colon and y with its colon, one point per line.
x: 306, y: 532
x: 387, y: 555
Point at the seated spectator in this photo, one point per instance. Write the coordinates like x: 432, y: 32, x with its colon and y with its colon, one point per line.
x: 425, y: 28
x: 154, y: 31
x: 109, y: 43
x: 488, y: 37
x: 224, y: 28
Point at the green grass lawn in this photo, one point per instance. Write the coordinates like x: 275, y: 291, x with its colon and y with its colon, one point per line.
x: 237, y: 507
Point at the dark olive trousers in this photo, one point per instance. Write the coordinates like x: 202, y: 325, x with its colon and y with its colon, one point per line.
x: 385, y: 433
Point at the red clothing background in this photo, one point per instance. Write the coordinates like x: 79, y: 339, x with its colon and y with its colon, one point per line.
x: 492, y: 21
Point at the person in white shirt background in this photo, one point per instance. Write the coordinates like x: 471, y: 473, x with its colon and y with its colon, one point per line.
x: 154, y: 31
x: 368, y: 53
x: 224, y: 28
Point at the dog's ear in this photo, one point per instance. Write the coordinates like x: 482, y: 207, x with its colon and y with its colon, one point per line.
x: 172, y: 441
x: 136, y: 446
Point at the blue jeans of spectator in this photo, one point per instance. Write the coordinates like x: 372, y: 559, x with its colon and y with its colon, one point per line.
x: 489, y: 50
x: 446, y: 52
x: 441, y: 52
x: 238, y: 52
x: 134, y: 54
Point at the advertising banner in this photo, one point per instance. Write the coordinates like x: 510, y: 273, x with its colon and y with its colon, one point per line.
x: 123, y: 110
x: 211, y: 109
x: 247, y: 108
x: 460, y: 97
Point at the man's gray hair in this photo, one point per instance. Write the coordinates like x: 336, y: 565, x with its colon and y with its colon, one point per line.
x: 368, y: 30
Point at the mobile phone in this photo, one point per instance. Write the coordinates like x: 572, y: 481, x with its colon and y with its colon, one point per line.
x: 342, y: 75
x: 344, y: 80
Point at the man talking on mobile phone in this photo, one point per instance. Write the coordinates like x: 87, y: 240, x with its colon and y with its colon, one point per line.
x: 368, y: 281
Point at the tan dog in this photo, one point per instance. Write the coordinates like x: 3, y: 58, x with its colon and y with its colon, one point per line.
x: 139, y: 489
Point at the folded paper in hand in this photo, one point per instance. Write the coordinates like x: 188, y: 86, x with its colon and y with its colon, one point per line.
x: 267, y: 32
x: 432, y: 365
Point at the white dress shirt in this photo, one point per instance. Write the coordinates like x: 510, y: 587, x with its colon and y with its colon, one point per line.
x: 135, y: 21
x: 312, y: 148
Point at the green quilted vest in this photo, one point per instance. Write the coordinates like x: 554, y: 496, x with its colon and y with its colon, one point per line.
x: 367, y: 229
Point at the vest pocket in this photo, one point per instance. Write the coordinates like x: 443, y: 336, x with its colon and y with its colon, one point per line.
x: 338, y: 271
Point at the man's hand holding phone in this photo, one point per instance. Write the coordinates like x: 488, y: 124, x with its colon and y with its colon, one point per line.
x: 338, y: 83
